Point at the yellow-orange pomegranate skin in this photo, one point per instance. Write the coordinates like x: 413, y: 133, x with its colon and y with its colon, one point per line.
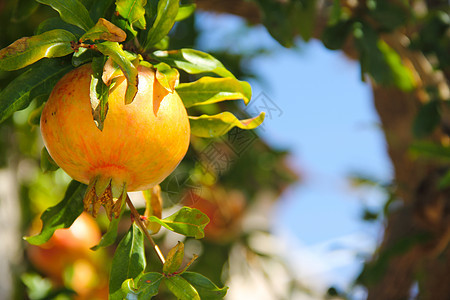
x: 141, y: 143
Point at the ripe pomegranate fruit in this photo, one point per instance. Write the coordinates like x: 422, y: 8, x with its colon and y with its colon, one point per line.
x: 141, y: 143
x: 70, y: 248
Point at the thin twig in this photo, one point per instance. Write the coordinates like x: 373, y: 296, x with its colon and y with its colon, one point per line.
x: 137, y: 219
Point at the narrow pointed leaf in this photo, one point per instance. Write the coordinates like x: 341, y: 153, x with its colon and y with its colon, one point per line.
x: 209, y: 90
x: 185, y: 11
x: 193, y: 61
x: 133, y: 11
x: 153, y: 207
x: 28, y: 50
x: 217, y: 125
x: 37, y: 80
x: 99, y: 92
x: 72, y: 12
x: 187, y: 221
x: 104, y: 31
x: 174, y: 259
x: 182, y: 289
x: 47, y: 162
x: 61, y: 215
x: 119, y: 56
x: 128, y: 261
x: 168, y: 77
x: 205, y: 287
x: 110, y: 236
x: 166, y: 13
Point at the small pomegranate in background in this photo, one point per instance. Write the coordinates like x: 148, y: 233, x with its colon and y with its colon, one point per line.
x: 68, y: 250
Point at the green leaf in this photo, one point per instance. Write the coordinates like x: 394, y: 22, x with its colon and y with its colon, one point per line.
x: 168, y: 77
x: 82, y: 56
x: 110, y: 236
x: 380, y: 60
x: 28, y: 50
x: 99, y: 92
x: 72, y: 12
x: 57, y: 23
x: 185, y: 11
x: 217, y: 125
x: 166, y: 13
x: 209, y: 90
x: 119, y: 56
x: 104, y: 31
x: 38, y: 79
x: 133, y: 11
x: 99, y: 9
x: 388, y: 14
x: 205, y: 288
x: 174, y: 259
x: 192, y: 61
x: 128, y: 261
x: 182, y: 289
x: 147, y: 286
x: 431, y: 150
x: 187, y: 221
x: 444, y: 182
x: 427, y: 119
x: 153, y: 207
x: 47, y: 162
x: 61, y: 215
x: 23, y: 9
x: 334, y: 36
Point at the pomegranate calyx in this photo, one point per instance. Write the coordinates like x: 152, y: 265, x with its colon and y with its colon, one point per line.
x: 105, y: 192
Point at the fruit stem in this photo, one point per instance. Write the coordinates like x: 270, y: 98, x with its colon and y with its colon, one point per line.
x: 137, y: 219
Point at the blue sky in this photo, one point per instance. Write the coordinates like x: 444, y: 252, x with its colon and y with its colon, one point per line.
x: 328, y: 121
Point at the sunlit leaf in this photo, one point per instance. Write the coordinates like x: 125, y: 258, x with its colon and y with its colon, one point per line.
x: 205, y: 287
x: 185, y: 11
x: 166, y: 13
x: 27, y: 50
x: 104, y: 31
x: 128, y: 261
x: 99, y: 92
x: 61, y: 215
x: 168, y: 77
x: 209, y: 90
x: 72, y: 12
x: 182, y: 289
x: 193, y: 61
x: 174, y: 259
x: 38, y: 79
x: 47, y: 162
x: 119, y: 56
x: 381, y: 61
x: 217, y: 125
x: 187, y: 221
x: 133, y: 11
